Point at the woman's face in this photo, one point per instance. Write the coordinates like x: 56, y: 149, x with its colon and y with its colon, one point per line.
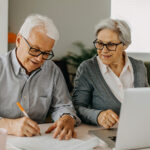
x: 112, y: 53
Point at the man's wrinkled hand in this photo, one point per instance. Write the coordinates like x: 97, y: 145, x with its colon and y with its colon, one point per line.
x: 24, y: 127
x: 63, y: 128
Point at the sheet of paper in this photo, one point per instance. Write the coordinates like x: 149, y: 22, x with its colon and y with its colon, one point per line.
x: 11, y: 147
x: 47, y: 142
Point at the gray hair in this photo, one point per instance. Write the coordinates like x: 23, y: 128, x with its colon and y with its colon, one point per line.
x: 43, y: 22
x: 119, y: 26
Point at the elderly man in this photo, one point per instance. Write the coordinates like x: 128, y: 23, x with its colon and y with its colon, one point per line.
x: 28, y: 76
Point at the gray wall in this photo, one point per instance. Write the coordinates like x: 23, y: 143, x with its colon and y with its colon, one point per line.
x: 75, y: 19
x: 3, y: 26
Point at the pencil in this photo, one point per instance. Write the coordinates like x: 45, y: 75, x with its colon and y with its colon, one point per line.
x: 24, y: 112
x: 22, y: 109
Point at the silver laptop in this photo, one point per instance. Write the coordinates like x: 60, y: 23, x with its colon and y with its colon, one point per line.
x: 134, y: 123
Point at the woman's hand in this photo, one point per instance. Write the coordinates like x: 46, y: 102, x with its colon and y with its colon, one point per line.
x: 107, y: 118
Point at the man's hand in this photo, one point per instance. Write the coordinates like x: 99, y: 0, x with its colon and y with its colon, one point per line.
x: 107, y: 118
x: 21, y: 127
x: 64, y: 128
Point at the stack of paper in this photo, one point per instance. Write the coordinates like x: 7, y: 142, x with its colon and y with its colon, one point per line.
x: 47, y: 142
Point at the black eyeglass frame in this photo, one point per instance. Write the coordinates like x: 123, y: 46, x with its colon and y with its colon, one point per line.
x: 51, y: 53
x: 106, y: 45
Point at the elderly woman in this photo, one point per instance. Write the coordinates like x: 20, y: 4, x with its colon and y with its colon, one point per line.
x: 101, y: 80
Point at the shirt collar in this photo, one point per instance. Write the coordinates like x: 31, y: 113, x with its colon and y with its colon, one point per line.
x: 16, y: 65
x: 105, y: 68
x: 127, y: 62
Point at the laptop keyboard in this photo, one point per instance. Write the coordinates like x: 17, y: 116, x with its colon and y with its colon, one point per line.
x: 113, y: 138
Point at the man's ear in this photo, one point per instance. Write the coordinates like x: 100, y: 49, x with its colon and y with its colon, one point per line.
x: 18, y: 39
x: 124, y: 47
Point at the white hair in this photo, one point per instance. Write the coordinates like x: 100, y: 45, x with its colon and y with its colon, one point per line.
x: 44, y: 22
x: 119, y: 26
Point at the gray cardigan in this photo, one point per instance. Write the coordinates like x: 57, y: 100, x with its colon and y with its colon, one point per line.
x: 92, y: 94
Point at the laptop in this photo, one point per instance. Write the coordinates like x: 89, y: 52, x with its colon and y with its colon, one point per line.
x: 133, y: 130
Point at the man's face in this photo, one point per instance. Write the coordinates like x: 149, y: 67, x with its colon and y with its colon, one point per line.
x: 38, y: 40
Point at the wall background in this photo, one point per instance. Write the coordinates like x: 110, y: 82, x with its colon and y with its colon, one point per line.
x: 75, y: 19
x: 3, y: 26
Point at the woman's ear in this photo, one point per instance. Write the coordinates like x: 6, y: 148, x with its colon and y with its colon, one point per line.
x: 18, y: 39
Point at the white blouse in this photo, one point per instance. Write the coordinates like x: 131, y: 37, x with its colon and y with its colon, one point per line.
x: 115, y: 83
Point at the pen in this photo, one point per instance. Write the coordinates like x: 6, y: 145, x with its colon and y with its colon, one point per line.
x: 24, y: 112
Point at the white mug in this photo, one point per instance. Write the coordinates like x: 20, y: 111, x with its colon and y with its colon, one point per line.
x: 3, y: 136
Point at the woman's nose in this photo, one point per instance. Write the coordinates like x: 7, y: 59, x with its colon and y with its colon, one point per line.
x: 105, y: 49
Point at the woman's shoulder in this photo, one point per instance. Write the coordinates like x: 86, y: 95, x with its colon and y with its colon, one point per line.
x: 136, y: 62
x: 89, y: 62
x: 138, y: 65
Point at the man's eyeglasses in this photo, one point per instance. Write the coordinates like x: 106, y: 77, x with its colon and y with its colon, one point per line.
x: 37, y: 52
x: 110, y: 46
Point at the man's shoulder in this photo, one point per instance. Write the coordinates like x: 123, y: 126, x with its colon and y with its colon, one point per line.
x: 50, y: 66
x: 5, y: 58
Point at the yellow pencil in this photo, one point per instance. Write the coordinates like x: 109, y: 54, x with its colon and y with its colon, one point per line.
x: 24, y: 112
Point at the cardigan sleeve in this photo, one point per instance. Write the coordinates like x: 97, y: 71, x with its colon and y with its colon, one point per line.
x: 82, y: 96
x: 140, y: 73
x: 146, y: 76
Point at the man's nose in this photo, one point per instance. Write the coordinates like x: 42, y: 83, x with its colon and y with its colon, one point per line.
x: 39, y: 58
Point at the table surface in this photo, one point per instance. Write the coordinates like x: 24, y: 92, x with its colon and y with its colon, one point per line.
x: 82, y: 134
